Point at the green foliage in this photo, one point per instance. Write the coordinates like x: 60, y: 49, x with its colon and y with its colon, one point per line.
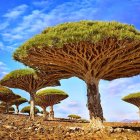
x: 51, y: 92
x: 5, y: 90
x: 19, y: 101
x: 26, y: 109
x: 18, y: 73
x: 7, y: 95
x: 71, y: 32
x: 74, y: 116
x: 131, y: 96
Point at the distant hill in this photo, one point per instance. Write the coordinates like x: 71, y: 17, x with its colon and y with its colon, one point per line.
x: 130, y: 121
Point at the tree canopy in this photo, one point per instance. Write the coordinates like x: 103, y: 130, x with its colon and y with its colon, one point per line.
x: 133, y: 98
x: 89, y: 50
x: 49, y: 97
x: 7, y: 94
x: 74, y: 116
x: 26, y: 109
x: 51, y: 92
x: 27, y: 79
x: 19, y: 101
x: 93, y: 31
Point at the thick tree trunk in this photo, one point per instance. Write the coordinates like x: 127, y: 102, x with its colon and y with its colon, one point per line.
x: 7, y: 108
x: 51, y: 113
x: 32, y: 107
x: 17, y: 109
x: 94, y: 104
x: 45, y: 113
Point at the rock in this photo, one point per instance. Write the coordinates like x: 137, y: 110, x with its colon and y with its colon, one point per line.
x: 41, y: 130
x: 9, y: 127
x: 118, y: 130
x: 109, y: 130
x: 128, y: 130
x: 74, y: 129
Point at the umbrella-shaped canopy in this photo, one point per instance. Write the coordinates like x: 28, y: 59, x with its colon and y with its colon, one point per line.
x: 133, y: 98
x: 7, y: 95
x: 19, y: 101
x: 49, y: 97
x: 26, y: 109
x: 29, y: 80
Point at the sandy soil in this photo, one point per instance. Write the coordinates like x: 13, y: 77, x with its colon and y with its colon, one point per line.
x: 20, y: 127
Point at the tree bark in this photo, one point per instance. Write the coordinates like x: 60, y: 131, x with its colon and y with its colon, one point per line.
x: 45, y: 113
x: 17, y: 109
x: 94, y: 103
x: 139, y: 111
x: 7, y: 108
x: 32, y: 107
x: 51, y: 113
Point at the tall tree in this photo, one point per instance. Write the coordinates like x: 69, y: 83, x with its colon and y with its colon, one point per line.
x: 7, y: 96
x: 30, y: 81
x: 133, y: 98
x: 90, y: 50
x: 49, y: 97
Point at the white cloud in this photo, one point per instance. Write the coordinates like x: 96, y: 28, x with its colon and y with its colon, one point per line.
x: 1, y: 46
x: 3, y: 69
x: 16, y: 12
x: 4, y: 25
x: 71, y: 107
x: 42, y: 3
x: 37, y: 20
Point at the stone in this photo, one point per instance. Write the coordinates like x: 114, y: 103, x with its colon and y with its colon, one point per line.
x: 109, y: 130
x: 9, y: 127
x: 74, y: 129
x: 118, y: 130
x: 129, y: 130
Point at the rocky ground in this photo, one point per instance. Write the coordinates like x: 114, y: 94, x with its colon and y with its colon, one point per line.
x: 19, y: 127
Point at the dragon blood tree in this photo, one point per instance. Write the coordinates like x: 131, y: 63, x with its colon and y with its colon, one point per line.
x: 7, y: 96
x: 90, y: 50
x: 49, y: 97
x: 134, y: 99
x: 18, y: 102
x: 3, y: 106
x: 26, y: 109
x: 30, y: 81
x: 73, y: 116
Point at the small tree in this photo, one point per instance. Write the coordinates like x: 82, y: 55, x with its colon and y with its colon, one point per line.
x: 3, y: 108
x: 49, y: 97
x: 26, y: 109
x: 11, y: 110
x: 30, y: 81
x: 18, y: 102
x: 133, y: 98
x: 7, y: 96
x: 73, y: 116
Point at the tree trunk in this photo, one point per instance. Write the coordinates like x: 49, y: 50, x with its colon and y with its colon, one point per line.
x: 17, y: 109
x: 139, y: 112
x: 45, y: 113
x: 32, y: 107
x: 51, y: 113
x: 94, y: 104
x: 7, y: 108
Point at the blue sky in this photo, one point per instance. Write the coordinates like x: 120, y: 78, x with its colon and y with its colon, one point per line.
x: 20, y: 20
